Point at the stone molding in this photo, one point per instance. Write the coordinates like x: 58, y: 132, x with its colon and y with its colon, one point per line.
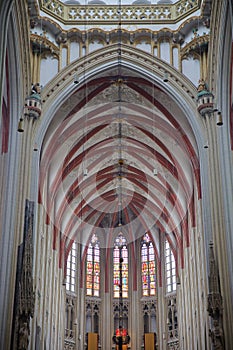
x: 196, y: 46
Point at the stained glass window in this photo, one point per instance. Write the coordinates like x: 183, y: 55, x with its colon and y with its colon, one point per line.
x: 93, y: 268
x: 170, y: 269
x: 120, y: 251
x: 71, y: 268
x: 148, y: 266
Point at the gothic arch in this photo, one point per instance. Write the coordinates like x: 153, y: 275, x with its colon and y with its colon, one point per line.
x: 65, y: 110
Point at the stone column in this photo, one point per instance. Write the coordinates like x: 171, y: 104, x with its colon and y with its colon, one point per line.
x: 205, y: 100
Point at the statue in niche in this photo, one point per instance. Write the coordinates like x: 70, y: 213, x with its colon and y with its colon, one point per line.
x: 202, y: 86
x: 36, y: 89
x: 23, y: 337
x: 216, y: 334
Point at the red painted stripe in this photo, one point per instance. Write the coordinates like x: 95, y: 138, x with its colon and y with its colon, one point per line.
x: 231, y: 98
x: 6, y: 112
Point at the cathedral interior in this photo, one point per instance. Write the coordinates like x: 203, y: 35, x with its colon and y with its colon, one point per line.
x: 116, y: 174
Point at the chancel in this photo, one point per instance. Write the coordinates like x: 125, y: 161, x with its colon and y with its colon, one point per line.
x: 116, y: 174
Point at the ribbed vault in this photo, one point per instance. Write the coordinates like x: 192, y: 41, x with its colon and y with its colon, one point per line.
x: 119, y: 155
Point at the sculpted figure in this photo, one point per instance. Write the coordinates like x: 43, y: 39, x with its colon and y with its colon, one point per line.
x: 36, y: 89
x: 216, y: 335
x: 202, y: 85
x: 23, y: 337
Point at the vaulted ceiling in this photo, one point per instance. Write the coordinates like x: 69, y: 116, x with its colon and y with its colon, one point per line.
x: 119, y: 156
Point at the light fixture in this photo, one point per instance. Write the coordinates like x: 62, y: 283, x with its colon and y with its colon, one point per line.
x: 165, y: 77
x: 155, y: 172
x: 219, y: 119
x: 20, y: 125
x: 76, y: 81
x: 35, y: 147
x: 85, y: 172
x: 215, y: 108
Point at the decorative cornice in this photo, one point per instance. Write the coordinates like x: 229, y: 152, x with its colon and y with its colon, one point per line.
x: 130, y: 14
x: 41, y: 43
x: 196, y: 46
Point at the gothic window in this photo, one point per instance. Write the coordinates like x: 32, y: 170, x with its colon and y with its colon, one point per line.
x: 148, y: 266
x: 170, y: 269
x: 93, y: 268
x: 71, y: 268
x: 120, y: 251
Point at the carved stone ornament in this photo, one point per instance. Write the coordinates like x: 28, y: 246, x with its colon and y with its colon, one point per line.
x: 216, y: 334
x: 102, y: 13
x: 26, y: 285
x: 26, y: 294
x: 61, y: 38
x: 215, y: 307
x: 23, y: 337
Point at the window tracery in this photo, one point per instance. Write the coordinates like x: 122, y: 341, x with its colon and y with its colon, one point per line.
x: 149, y: 310
x: 92, y: 316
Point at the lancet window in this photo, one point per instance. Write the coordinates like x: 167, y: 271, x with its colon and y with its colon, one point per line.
x: 148, y: 266
x: 120, y: 251
x: 93, y: 268
x: 170, y: 269
x: 71, y: 269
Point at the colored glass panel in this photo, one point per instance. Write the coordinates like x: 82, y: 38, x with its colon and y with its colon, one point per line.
x: 148, y: 267
x: 93, y: 268
x: 120, y: 250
